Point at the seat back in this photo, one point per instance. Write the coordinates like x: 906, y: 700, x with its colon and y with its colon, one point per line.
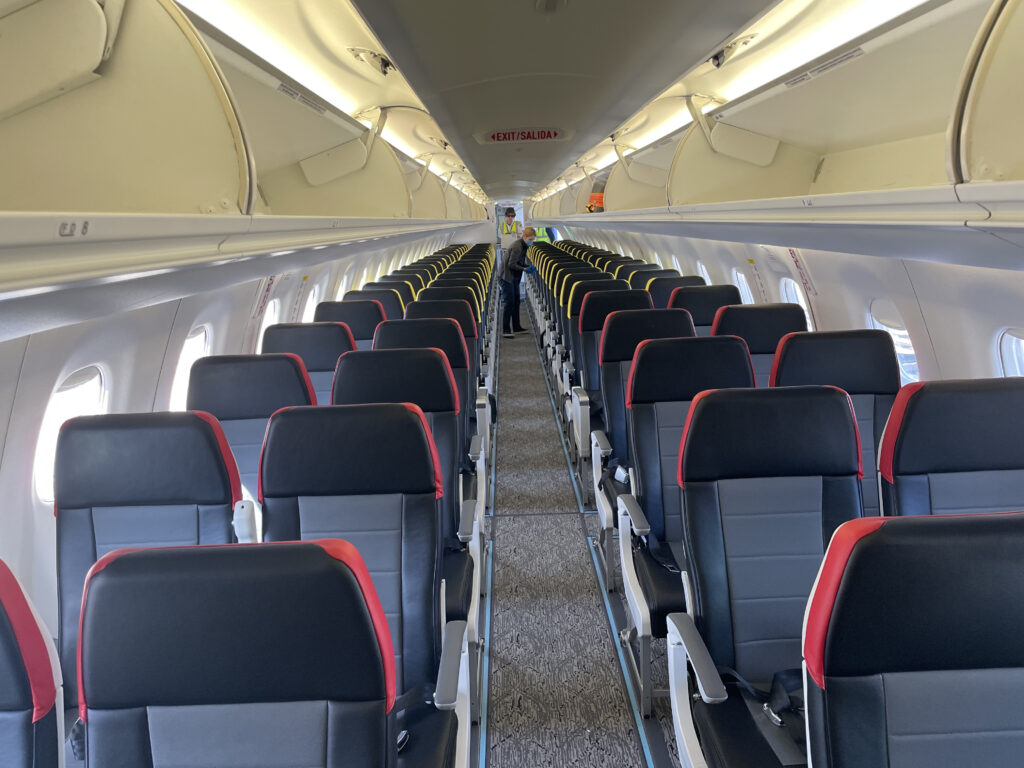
x: 389, y: 298
x: 242, y: 392
x: 31, y: 722
x: 447, y: 292
x: 768, y: 475
x: 953, y: 447
x: 641, y: 278
x: 661, y: 287
x: 273, y: 655
x: 861, y: 362
x: 319, y: 345
x: 941, y: 685
x: 665, y: 375
x: 703, y: 303
x: 400, y: 285
x: 419, y: 376
x: 135, y: 479
x: 459, y: 310
x: 596, y: 307
x: 762, y: 326
x: 623, y: 331
x: 361, y: 317
x: 369, y: 474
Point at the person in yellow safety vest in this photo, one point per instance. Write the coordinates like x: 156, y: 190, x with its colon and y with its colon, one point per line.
x: 542, y: 235
x: 510, y: 229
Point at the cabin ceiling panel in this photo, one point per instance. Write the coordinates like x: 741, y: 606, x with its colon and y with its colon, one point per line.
x: 583, y: 69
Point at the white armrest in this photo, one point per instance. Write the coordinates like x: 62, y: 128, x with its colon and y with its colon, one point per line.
x: 467, y: 516
x: 244, y: 522
x: 682, y: 633
x: 452, y: 640
x: 636, y: 601
x: 476, y: 448
x: 630, y: 507
x: 599, y: 440
x: 600, y: 450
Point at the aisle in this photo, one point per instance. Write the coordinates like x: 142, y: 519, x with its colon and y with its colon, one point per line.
x: 556, y: 693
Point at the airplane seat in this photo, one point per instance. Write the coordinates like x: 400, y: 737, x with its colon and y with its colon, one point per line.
x: 371, y: 474
x: 912, y: 644
x: 461, y: 311
x: 953, y: 447
x: 861, y: 362
x: 422, y: 377
x: 318, y: 345
x: 446, y: 335
x: 31, y: 721
x: 399, y: 285
x: 642, y: 278
x: 762, y: 326
x: 448, y: 292
x: 625, y: 271
x: 661, y: 288
x: 135, y: 480
x: 274, y: 655
x: 568, y: 281
x: 768, y: 475
x: 242, y: 392
x: 665, y: 375
x: 451, y: 279
x: 389, y: 298
x: 594, y: 310
x: 578, y: 292
x: 703, y: 303
x: 361, y: 317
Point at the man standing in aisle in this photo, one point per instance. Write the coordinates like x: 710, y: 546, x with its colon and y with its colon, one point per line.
x: 509, y: 229
x: 513, y: 264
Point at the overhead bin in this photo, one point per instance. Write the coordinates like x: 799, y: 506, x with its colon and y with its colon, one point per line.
x: 156, y: 131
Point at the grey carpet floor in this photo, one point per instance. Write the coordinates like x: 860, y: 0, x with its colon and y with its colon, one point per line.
x: 556, y: 693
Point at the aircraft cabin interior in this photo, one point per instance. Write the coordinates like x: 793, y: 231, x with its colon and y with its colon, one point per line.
x: 522, y: 384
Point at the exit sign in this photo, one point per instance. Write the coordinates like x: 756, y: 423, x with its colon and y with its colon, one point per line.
x: 518, y: 135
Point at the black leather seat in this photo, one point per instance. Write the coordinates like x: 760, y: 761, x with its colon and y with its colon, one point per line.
x: 319, y: 345
x: 361, y: 317
x: 461, y: 311
x: 242, y: 392
x: 643, y: 278
x: 370, y: 474
x: 399, y: 283
x: 389, y: 298
x: 276, y: 655
x: 954, y: 447
x: 31, y: 719
x: 940, y: 686
x: 665, y: 375
x: 661, y: 288
x: 762, y: 326
x: 135, y: 479
x: 703, y: 303
x: 862, y: 363
x: 767, y: 475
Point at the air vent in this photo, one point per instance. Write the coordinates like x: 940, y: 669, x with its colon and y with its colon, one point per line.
x: 550, y: 6
x: 439, y: 142
x: 300, y: 97
x: 378, y: 61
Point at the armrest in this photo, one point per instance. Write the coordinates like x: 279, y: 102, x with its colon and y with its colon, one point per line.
x: 447, y: 690
x: 629, y: 506
x: 243, y: 520
x: 467, y: 516
x: 476, y: 447
x: 599, y: 440
x: 683, y: 632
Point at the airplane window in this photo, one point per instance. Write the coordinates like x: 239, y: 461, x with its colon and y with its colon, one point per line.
x: 269, y: 318
x: 794, y: 294
x: 703, y: 272
x: 311, y: 301
x: 741, y: 282
x: 81, y: 394
x: 1011, y: 350
x: 197, y: 345
x: 883, y: 316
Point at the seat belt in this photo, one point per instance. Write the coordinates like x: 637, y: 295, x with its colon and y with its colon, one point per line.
x: 420, y: 696
x: 783, y: 704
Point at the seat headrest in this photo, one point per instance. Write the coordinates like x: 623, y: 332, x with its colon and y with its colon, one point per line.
x: 439, y: 333
x: 176, y: 627
x: 954, y: 426
x: 863, y: 362
x: 704, y: 301
x: 414, y: 275
x: 760, y: 325
x: 390, y: 300
x: 402, y: 287
x: 444, y: 292
x: 248, y: 386
x: 361, y: 317
x: 624, y: 329
x: 318, y: 344
x: 420, y: 376
x: 628, y: 268
x: 790, y: 431
x: 597, y: 305
x: 661, y: 287
x: 459, y: 310
x: 26, y: 670
x: 144, y: 459
x: 583, y: 287
x: 677, y: 370
x: 642, y: 278
x: 344, y: 450
x: 947, y: 588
